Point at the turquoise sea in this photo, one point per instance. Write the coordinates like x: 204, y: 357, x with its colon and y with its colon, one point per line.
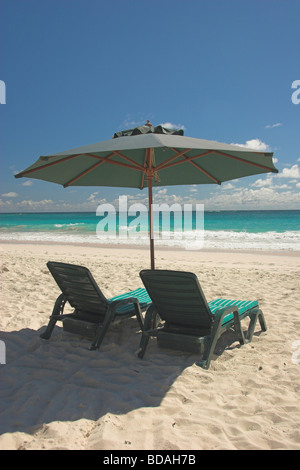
x: 238, y: 230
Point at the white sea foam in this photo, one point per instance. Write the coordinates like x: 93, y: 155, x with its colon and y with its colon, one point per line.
x: 289, y: 240
x: 70, y: 225
x: 223, y: 240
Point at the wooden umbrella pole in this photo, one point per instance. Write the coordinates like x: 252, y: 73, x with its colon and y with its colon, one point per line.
x: 151, y: 234
x: 151, y: 222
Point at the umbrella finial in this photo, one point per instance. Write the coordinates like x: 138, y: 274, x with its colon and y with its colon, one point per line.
x: 148, y: 123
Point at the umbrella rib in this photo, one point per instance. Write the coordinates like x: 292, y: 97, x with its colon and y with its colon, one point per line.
x: 203, y: 171
x: 82, y: 174
x: 142, y: 182
x: 144, y: 169
x: 86, y: 171
x: 129, y: 160
x: 220, y: 153
x: 246, y: 161
x: 186, y: 159
x: 32, y: 170
x: 136, y: 166
x: 190, y: 160
x: 164, y: 164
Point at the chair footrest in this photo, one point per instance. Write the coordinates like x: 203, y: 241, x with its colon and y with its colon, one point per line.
x: 192, y: 344
x: 80, y: 327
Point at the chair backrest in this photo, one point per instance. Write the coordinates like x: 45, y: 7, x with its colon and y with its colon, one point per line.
x: 178, y: 298
x: 79, y: 287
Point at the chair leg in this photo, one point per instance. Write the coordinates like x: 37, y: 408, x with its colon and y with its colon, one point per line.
x: 138, y: 314
x: 57, y: 310
x: 211, y: 344
x: 256, y: 314
x: 149, y: 317
x: 262, y: 321
x: 143, y: 345
x: 101, y: 332
x: 98, y: 338
x: 102, y: 328
x: 209, y: 348
x: 216, y: 333
x: 238, y: 328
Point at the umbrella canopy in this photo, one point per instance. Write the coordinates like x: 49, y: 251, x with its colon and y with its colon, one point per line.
x: 149, y: 155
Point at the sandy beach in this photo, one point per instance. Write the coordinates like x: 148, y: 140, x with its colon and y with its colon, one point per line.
x: 57, y: 394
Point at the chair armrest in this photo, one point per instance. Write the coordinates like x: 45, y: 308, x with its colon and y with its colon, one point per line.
x: 115, y: 304
x: 222, y: 312
x: 236, y: 321
x: 59, y: 307
x: 149, y: 318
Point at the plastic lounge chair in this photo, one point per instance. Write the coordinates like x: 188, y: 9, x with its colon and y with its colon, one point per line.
x: 93, y: 312
x: 190, y: 322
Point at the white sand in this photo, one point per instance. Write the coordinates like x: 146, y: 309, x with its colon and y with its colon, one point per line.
x: 57, y: 394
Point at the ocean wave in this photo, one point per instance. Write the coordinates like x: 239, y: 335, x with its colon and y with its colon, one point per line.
x: 289, y: 240
x: 193, y: 240
x: 72, y: 226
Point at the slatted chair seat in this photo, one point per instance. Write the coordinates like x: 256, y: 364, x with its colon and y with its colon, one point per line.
x: 190, y: 323
x: 93, y: 312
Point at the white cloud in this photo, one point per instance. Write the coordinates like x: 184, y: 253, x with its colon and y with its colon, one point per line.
x: 271, y: 126
x: 255, y: 144
x: 5, y: 203
x: 11, y: 194
x: 48, y: 205
x: 162, y: 191
x: 136, y: 120
x: 170, y: 125
x: 36, y: 204
x: 27, y: 183
x: 227, y: 186
x: 248, y: 198
x: 270, y: 181
x: 261, y: 183
x: 92, y: 196
x: 131, y: 123
x: 293, y: 172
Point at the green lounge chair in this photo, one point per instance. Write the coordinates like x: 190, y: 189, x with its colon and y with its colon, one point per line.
x: 190, y: 322
x: 93, y: 312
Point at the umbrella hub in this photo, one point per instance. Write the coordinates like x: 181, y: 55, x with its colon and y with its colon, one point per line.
x: 150, y: 173
x: 150, y: 169
x: 148, y: 128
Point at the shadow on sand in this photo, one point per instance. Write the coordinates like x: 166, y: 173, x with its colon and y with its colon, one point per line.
x: 61, y: 380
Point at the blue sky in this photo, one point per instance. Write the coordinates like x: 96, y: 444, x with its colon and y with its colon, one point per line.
x: 76, y: 71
